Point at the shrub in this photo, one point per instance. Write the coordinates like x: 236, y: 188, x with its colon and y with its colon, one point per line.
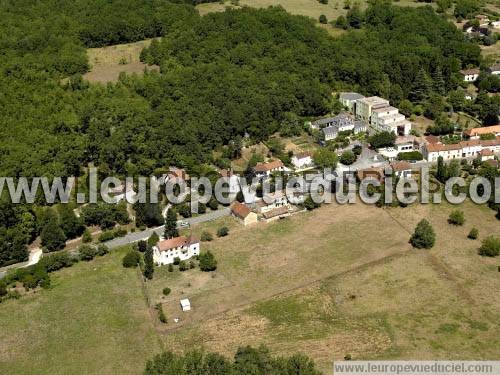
x: 323, y: 19
x: 192, y: 264
x: 410, y: 155
x: 222, y: 232
x: 86, y: 237
x: 142, y: 246
x: 170, y: 268
x: 106, y: 236
x: 177, y: 260
x: 206, y: 236
x: 102, y: 250
x: 57, y: 261
x: 3, y: 289
x: 87, y: 252
x: 161, y: 314
x: 490, y: 246
x: 183, y: 266
x: 166, y: 291
x: 473, y: 234
x: 456, y: 218
x: 424, y: 236
x: 347, y: 157
x: 208, y: 262
x: 132, y: 259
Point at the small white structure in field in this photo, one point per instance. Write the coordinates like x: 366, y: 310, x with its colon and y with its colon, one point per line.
x: 185, y: 304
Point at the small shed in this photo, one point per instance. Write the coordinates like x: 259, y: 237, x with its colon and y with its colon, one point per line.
x: 185, y: 304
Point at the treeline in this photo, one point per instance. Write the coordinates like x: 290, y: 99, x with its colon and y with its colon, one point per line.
x: 247, y: 360
x: 247, y: 72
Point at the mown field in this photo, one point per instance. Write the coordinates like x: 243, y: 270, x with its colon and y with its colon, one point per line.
x: 339, y: 280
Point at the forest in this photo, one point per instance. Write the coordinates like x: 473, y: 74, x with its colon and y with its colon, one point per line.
x: 222, y: 76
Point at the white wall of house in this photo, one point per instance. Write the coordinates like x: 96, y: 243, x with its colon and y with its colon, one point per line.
x: 182, y: 252
x: 302, y: 162
x: 470, y: 77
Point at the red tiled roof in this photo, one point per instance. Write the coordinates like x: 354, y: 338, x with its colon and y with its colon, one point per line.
x: 240, y: 210
x: 432, y: 139
x: 483, y: 130
x: 469, y: 71
x: 401, y: 166
x: 175, y: 242
x: 487, y: 152
x: 265, y: 167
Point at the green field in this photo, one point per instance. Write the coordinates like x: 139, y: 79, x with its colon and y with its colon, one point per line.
x: 94, y: 320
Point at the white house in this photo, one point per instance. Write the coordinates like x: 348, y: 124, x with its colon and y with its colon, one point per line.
x: 266, y: 169
x: 402, y: 169
x: 464, y: 149
x: 470, y: 75
x: 302, y: 160
x: 185, y: 304
x: 181, y: 247
x: 232, y: 180
x: 495, y: 69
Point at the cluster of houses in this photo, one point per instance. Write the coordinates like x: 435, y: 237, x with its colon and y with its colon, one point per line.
x: 480, y: 27
x: 471, y: 75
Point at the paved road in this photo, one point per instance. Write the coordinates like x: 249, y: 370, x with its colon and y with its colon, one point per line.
x: 138, y: 236
x: 132, y: 237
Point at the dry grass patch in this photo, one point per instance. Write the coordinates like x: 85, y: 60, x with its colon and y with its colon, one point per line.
x: 108, y: 62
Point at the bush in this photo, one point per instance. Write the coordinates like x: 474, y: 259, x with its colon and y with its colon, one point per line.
x: 111, y: 234
x: 424, y: 236
x: 3, y: 290
x: 87, y: 252
x: 206, y: 237
x: 166, y: 291
x: 222, y: 232
x: 323, y: 19
x: 347, y: 157
x: 161, y: 314
x: 411, y: 155
x: 132, y: 259
x: 490, y: 246
x: 170, y: 268
x: 456, y: 218
x: 208, y: 262
x: 86, y: 237
x: 57, y: 261
x: 177, y: 260
x: 102, y: 250
x: 183, y: 266
x: 473, y: 234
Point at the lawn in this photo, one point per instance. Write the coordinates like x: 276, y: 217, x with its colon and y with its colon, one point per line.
x: 93, y: 320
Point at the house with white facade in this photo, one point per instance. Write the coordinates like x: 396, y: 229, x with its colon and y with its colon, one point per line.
x: 464, y: 149
x: 266, y: 169
x: 402, y: 169
x: 349, y: 100
x: 302, y: 160
x: 340, y: 123
x: 231, y: 179
x: 494, y: 69
x: 470, y: 75
x: 181, y: 247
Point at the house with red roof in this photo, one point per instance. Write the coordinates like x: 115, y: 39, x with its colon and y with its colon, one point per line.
x: 183, y: 247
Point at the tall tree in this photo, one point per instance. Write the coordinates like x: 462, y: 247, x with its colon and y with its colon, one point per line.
x: 149, y: 266
x: 171, y: 230
x: 53, y: 237
x: 422, y: 86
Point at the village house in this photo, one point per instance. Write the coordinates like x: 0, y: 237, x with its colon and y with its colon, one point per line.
x: 266, y: 169
x: 402, y: 169
x: 349, y: 99
x: 476, y: 133
x: 464, y: 149
x: 403, y: 144
x: 302, y: 160
x: 233, y: 180
x: 181, y: 247
x: 371, y: 173
x: 494, y: 69
x: 243, y: 213
x: 486, y: 154
x: 470, y: 75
